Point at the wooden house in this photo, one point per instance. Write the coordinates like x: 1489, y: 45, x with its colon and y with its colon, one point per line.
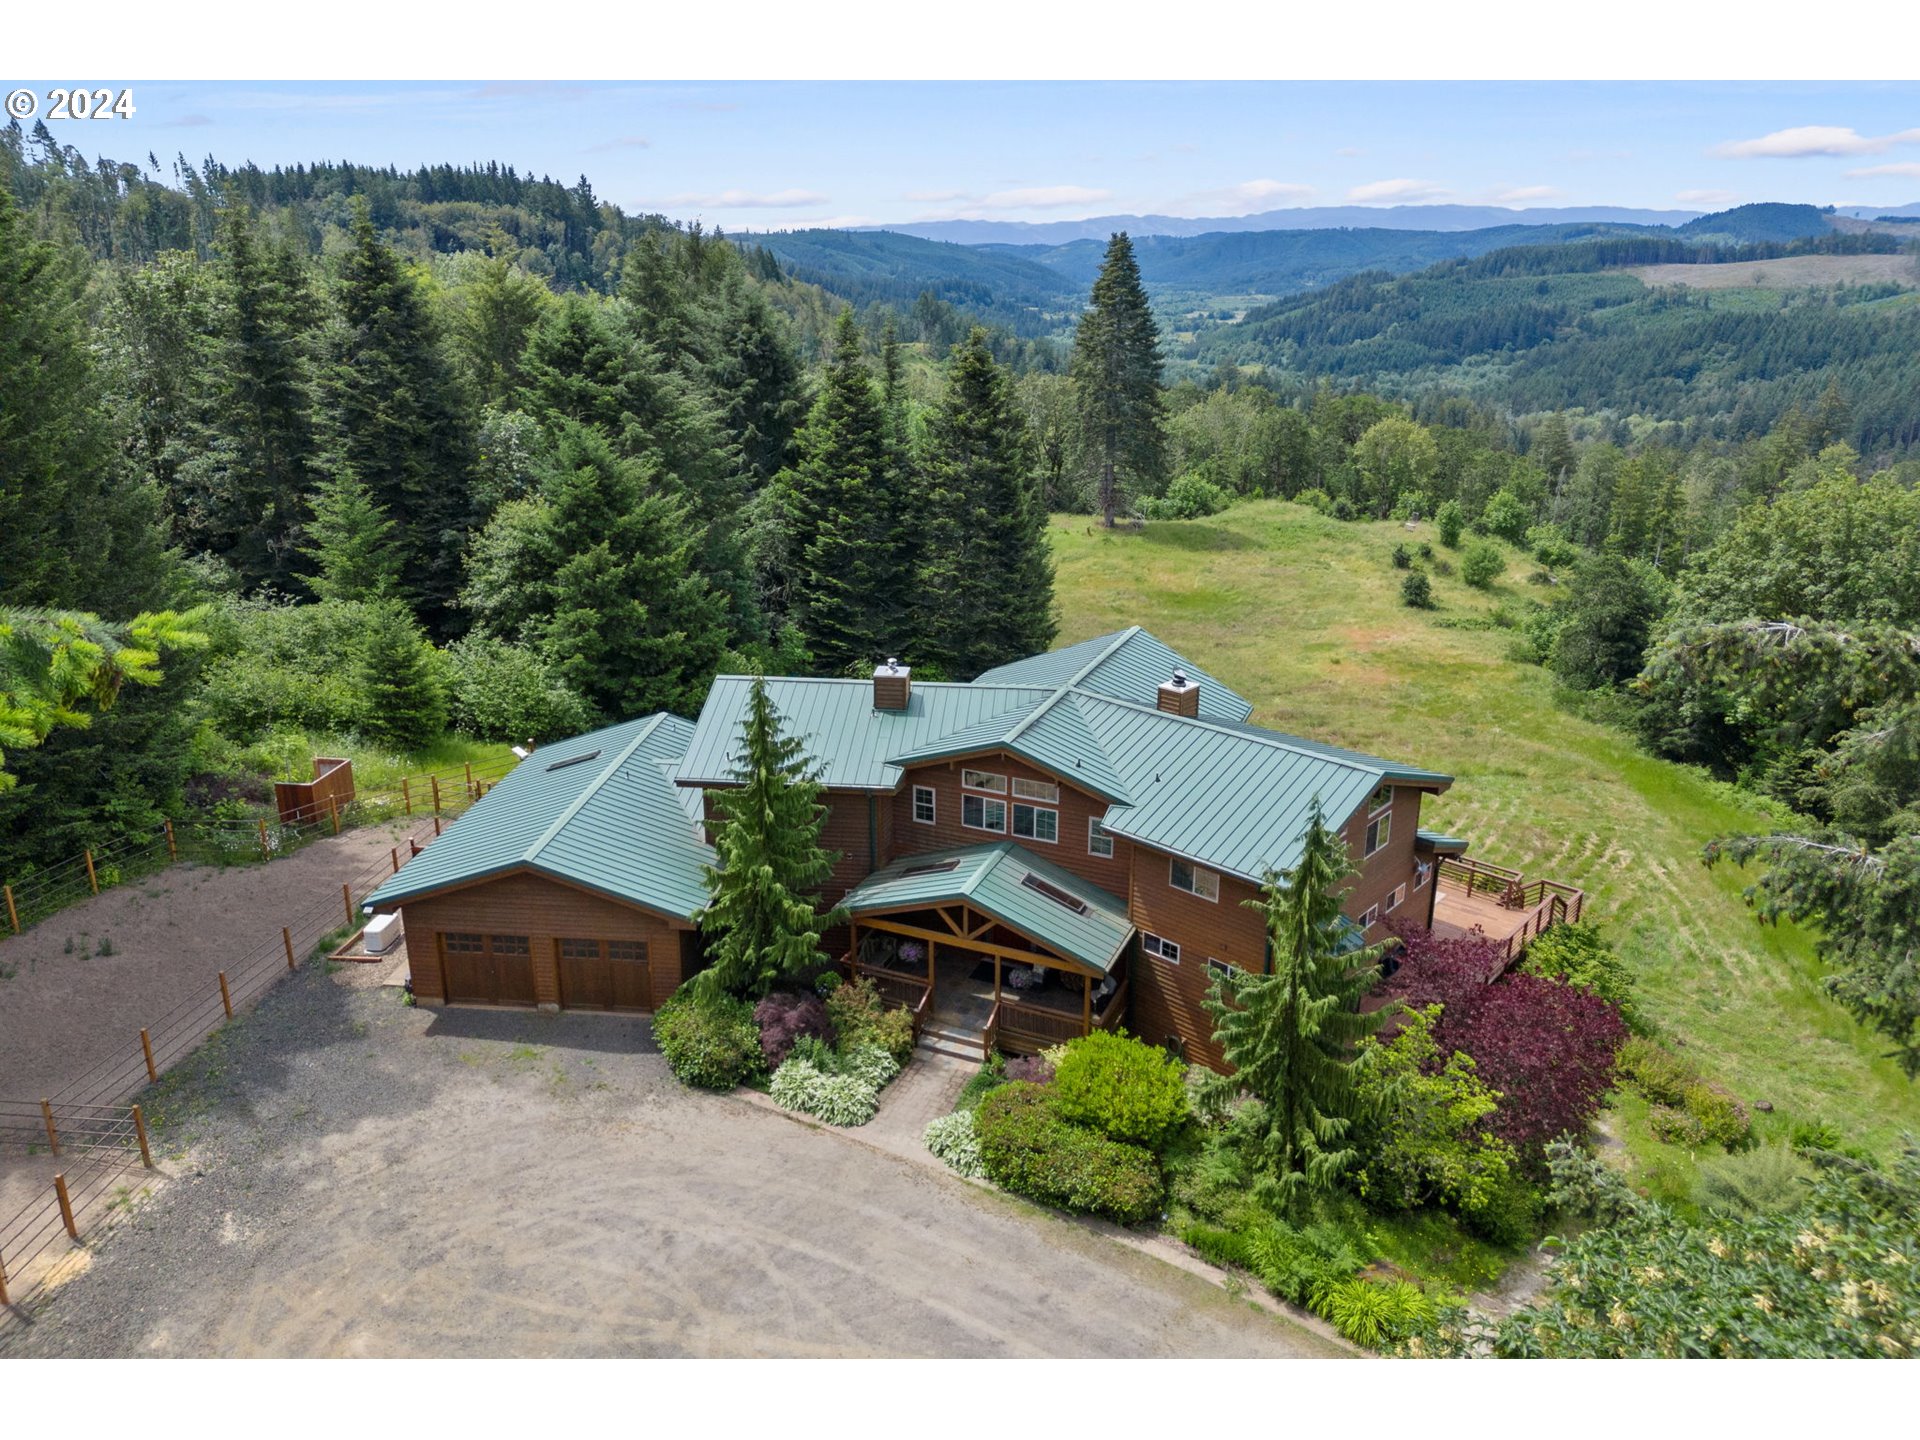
x: 1063, y: 844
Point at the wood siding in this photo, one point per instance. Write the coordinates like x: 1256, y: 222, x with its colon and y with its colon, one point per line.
x: 1395, y: 865
x: 1166, y: 997
x: 543, y: 910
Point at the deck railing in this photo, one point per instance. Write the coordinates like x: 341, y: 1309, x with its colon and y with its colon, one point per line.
x: 1546, y: 902
x: 900, y: 987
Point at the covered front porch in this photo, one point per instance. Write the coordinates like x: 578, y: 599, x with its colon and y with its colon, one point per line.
x: 992, y: 947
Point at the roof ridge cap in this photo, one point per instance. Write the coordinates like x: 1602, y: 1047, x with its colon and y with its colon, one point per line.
x: 532, y: 852
x: 1277, y: 739
x: 1105, y: 654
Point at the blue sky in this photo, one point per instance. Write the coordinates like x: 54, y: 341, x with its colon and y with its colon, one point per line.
x: 771, y: 155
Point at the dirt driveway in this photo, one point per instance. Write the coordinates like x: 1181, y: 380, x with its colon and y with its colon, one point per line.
x: 355, y: 1177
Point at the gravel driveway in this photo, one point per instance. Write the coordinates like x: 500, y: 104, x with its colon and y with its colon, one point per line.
x: 356, y: 1177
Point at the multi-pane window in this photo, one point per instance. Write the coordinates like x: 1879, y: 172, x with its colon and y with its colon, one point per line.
x: 984, y: 780
x: 1217, y: 967
x: 461, y: 944
x: 1379, y: 832
x: 979, y: 813
x: 1381, y: 799
x: 923, y: 804
x: 1422, y: 873
x: 1369, y: 917
x: 1036, y: 790
x: 510, y: 944
x: 1030, y: 822
x: 1099, y: 841
x: 1160, y: 949
x: 632, y: 951
x: 1194, y: 880
x: 579, y: 949
x: 1393, y: 900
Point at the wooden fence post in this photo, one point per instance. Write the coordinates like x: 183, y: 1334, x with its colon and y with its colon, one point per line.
x: 173, y: 850
x: 346, y: 899
x: 333, y: 804
x: 66, y: 1205
x: 469, y: 780
x: 226, y: 996
x: 436, y: 827
x: 146, y: 1047
x: 435, y: 781
x: 92, y: 879
x: 265, y: 854
x: 286, y: 939
x: 396, y: 859
x: 406, y: 794
x: 53, y: 1135
x: 4, y: 1299
x: 12, y: 914
x: 140, y: 1133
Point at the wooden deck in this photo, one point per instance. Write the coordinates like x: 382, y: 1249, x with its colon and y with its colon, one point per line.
x: 1501, y: 904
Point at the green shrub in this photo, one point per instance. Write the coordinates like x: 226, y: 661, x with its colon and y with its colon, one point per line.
x: 498, y: 691
x: 1374, y: 1313
x: 1761, y: 1181
x: 837, y: 1098
x: 1506, y: 1212
x: 1189, y: 497
x: 1222, y: 1247
x: 860, y: 1017
x: 1675, y: 1126
x: 1586, y: 1186
x: 990, y: 1077
x: 1402, y: 557
x: 1580, y: 955
x: 1450, y: 520
x: 827, y: 982
x: 710, y: 1042
x: 1028, y: 1149
x: 1656, y: 1072
x: 1125, y: 1089
x: 1298, y: 1263
x: 1317, y: 501
x: 1416, y: 591
x: 1723, y: 1119
x: 953, y: 1139
x: 1482, y: 563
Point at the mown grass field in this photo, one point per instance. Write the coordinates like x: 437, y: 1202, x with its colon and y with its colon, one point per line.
x: 1302, y: 614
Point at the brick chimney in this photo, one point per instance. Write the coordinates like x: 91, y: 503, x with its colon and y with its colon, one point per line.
x: 892, y: 685
x: 1180, y: 696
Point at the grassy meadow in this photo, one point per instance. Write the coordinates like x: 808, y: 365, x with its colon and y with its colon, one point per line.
x: 1302, y: 615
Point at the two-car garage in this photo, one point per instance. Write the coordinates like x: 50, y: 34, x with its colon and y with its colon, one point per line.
x: 483, y: 969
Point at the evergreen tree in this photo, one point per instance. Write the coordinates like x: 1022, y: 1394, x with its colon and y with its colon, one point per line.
x: 762, y: 919
x: 841, y: 593
x: 406, y: 429
x: 986, y: 584
x: 1116, y: 376
x: 633, y: 625
x: 1292, y: 1037
x: 1553, y: 448
x: 354, y: 548
x: 494, y: 314
x: 400, y: 680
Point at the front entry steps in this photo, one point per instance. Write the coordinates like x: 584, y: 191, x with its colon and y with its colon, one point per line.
x: 945, y: 1038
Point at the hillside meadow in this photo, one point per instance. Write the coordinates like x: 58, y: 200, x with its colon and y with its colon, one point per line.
x: 1302, y: 614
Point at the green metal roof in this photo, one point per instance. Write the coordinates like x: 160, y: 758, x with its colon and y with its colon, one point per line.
x: 1129, y: 664
x: 600, y: 810
x: 1434, y: 840
x: 993, y: 879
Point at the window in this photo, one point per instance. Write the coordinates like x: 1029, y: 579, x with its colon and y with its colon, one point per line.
x: 1370, y: 917
x: 1393, y: 900
x: 1194, y: 880
x: 1037, y: 790
x: 1217, y: 967
x: 923, y: 805
x: 1381, y: 799
x: 979, y: 813
x: 579, y: 949
x: 981, y: 780
x: 509, y: 945
x: 1053, y: 892
x: 633, y: 952
x: 459, y: 944
x: 1099, y: 840
x: 1379, y: 831
x: 574, y: 760
x: 1030, y: 822
x: 1422, y: 873
x: 938, y: 867
x: 1160, y: 949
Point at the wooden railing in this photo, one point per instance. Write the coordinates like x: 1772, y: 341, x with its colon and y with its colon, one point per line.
x: 900, y: 987
x: 1028, y: 1028
x: 1546, y: 902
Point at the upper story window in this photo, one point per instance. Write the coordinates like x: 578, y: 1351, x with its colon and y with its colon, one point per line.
x: 1381, y: 799
x: 1160, y: 949
x: 1030, y: 822
x: 1099, y: 840
x: 1379, y: 832
x: 1046, y: 790
x: 1369, y: 917
x: 923, y: 804
x: 1394, y: 900
x: 977, y: 812
x: 1194, y: 880
x: 984, y: 780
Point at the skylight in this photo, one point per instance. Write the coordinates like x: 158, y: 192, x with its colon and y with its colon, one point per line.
x: 939, y: 867
x: 580, y: 759
x: 1053, y: 892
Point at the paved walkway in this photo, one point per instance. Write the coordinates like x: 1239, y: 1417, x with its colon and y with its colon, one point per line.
x: 925, y: 1091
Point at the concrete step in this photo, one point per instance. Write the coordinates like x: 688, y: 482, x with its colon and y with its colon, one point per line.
x: 960, y: 1043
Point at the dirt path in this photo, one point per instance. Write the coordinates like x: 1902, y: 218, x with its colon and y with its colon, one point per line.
x: 361, y: 1178
x: 66, y: 1007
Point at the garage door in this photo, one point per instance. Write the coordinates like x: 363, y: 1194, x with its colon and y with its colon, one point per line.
x: 487, y: 969
x: 604, y: 975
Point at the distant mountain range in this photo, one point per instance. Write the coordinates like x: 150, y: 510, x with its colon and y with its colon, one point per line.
x: 1308, y: 217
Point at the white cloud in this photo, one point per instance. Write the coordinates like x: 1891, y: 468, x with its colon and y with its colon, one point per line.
x: 621, y: 142
x: 1807, y: 140
x: 1905, y: 169
x: 750, y: 199
x: 1706, y: 197
x: 1245, y: 198
x: 1397, y: 192
x: 1525, y: 194
x: 1268, y: 192
x: 1043, y: 197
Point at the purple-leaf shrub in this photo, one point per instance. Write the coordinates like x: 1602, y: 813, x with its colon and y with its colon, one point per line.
x: 783, y: 1017
x: 1033, y: 1069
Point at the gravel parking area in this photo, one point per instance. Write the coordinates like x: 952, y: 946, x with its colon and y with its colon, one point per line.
x: 358, y: 1177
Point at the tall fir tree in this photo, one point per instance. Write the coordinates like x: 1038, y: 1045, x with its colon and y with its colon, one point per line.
x: 762, y: 920
x: 1291, y: 1037
x: 406, y: 427
x: 354, y: 549
x: 1116, y: 377
x: 842, y: 594
x: 985, y: 589
x: 493, y: 315
x: 399, y: 676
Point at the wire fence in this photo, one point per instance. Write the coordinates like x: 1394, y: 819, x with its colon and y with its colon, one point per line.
x: 29, y: 899
x: 92, y: 1129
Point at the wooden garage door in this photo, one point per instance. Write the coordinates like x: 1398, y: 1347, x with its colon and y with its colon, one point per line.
x: 487, y: 969
x: 604, y: 975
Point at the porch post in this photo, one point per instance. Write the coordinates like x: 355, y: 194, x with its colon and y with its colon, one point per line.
x: 930, y: 962
x: 996, y: 978
x: 1086, y: 1006
x: 853, y: 940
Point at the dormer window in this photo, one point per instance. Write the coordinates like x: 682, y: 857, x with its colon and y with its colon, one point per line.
x: 1194, y: 880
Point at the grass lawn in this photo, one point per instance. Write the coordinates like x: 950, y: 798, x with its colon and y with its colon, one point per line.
x: 1302, y: 615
